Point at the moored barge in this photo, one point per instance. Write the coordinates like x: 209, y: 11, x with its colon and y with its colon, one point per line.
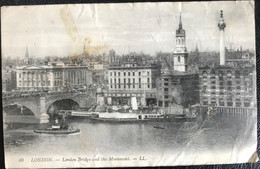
x: 55, y: 132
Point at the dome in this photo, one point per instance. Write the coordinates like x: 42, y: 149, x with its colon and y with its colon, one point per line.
x: 180, y: 32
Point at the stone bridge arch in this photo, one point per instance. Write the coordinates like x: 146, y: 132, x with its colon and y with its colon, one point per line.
x: 59, y: 103
x: 17, y: 106
x: 31, y: 103
x: 83, y: 100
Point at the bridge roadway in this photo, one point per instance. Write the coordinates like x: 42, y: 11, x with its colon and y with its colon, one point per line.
x: 39, y: 104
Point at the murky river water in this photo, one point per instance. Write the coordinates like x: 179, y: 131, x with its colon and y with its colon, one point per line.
x: 218, y: 136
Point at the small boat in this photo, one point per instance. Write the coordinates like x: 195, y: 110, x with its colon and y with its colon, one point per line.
x: 117, y: 119
x: 55, y: 131
x: 55, y: 127
x: 60, y: 126
x: 158, y: 127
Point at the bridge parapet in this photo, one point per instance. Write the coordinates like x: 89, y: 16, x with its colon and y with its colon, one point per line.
x: 21, y: 94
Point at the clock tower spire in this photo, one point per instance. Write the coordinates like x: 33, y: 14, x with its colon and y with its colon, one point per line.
x: 180, y: 52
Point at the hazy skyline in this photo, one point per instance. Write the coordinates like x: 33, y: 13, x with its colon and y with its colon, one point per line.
x: 62, y: 30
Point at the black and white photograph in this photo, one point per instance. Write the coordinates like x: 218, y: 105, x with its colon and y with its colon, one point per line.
x: 129, y: 84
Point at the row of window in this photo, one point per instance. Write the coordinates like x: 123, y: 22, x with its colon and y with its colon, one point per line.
x: 37, y: 76
x: 57, y: 83
x: 229, y: 73
x: 74, y: 79
x: 228, y: 99
x: 222, y: 93
x: 38, y: 83
x: 180, y: 41
x: 34, y: 84
x: 33, y: 81
x: 229, y: 87
x: 128, y: 85
x: 129, y: 65
x: 129, y: 80
x: 56, y: 74
x: 221, y: 78
x: 221, y: 83
x: 166, y: 103
x: 31, y: 73
x: 229, y: 103
x: 128, y: 73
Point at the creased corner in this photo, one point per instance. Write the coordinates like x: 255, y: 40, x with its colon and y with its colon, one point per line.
x: 254, y: 158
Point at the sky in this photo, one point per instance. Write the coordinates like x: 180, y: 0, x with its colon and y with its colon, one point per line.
x: 62, y: 30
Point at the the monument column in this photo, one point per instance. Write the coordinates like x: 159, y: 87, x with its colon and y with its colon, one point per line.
x: 221, y: 26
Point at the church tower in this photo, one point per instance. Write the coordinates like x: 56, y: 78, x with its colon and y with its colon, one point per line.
x: 84, y: 51
x: 26, y: 60
x: 26, y: 52
x: 180, y: 52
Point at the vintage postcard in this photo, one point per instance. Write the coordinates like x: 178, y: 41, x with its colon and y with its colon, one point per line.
x: 129, y: 84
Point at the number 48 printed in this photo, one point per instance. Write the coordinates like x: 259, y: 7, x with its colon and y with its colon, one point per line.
x: 21, y: 159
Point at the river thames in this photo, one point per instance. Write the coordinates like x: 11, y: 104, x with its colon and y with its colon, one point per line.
x: 218, y: 138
